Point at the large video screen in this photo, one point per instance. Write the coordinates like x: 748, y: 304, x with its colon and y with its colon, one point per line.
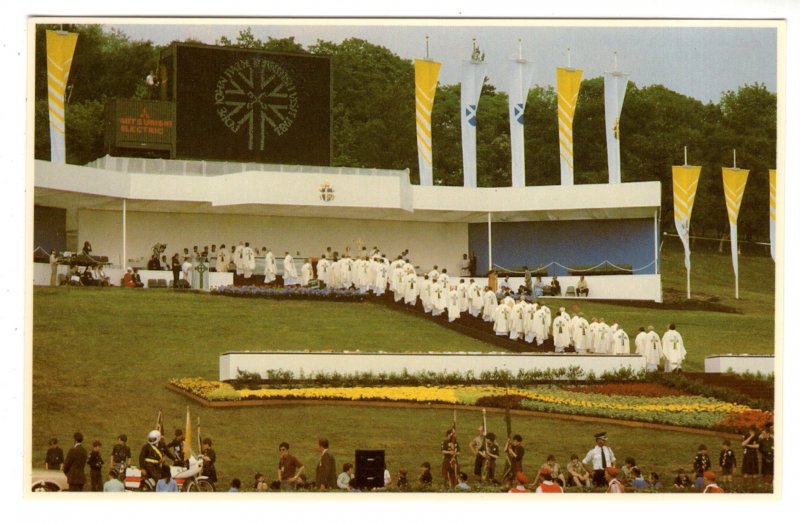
x: 252, y: 106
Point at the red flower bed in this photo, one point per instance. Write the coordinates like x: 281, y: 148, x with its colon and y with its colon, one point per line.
x: 739, y: 422
x: 630, y: 390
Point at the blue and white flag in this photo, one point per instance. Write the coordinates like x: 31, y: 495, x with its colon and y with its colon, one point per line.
x: 521, y: 78
x: 615, y: 85
x: 473, y: 73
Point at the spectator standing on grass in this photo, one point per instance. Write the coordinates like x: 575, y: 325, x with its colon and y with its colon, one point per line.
x: 766, y: 446
x: 75, y: 463
x: 121, y: 454
x: 54, y: 459
x: 750, y: 453
x: 95, y: 462
x: 53, y: 268
x: 289, y: 468
x: 600, y: 457
x: 702, y: 463
x: 326, y: 467
x: 727, y: 461
x: 209, y: 460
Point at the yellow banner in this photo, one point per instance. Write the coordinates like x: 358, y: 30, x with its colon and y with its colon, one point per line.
x: 568, y: 83
x: 60, y: 48
x: 426, y: 76
x: 187, y: 436
x: 733, y: 182
x: 773, y: 187
x: 684, y: 189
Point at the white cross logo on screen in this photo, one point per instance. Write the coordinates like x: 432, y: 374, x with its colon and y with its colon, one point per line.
x: 259, y: 95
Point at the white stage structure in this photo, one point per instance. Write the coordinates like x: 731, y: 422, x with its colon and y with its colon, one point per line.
x: 125, y: 205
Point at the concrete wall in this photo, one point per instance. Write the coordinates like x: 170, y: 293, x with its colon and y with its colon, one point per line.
x: 740, y: 364
x: 442, y: 244
x: 415, y: 362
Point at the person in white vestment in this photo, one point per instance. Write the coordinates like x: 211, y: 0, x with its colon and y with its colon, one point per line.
x: 502, y: 315
x: 381, y: 275
x: 289, y: 271
x: 221, y: 264
x: 306, y: 274
x: 639, y: 341
x: 347, y: 272
x: 372, y: 273
x: 249, y: 260
x: 361, y: 269
x: 602, y: 338
x: 463, y: 298
x: 399, y: 284
x: 438, y: 298
x: 433, y: 274
x: 444, y: 278
x: 572, y: 323
x: 528, y: 321
x: 580, y: 333
x: 425, y: 294
x: 516, y: 325
x: 541, y: 324
x: 475, y: 298
x: 270, y: 267
x: 412, y: 289
x: 453, y: 309
x: 489, y: 304
x: 560, y: 333
x: 323, y: 265
x: 620, y: 343
x: 673, y: 349
x: 652, y: 349
x: 238, y: 258
x: 592, y: 330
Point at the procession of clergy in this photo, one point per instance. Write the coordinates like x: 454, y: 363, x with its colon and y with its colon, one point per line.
x: 439, y: 293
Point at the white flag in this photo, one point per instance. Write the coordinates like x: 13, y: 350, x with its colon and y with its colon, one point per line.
x: 521, y: 78
x: 473, y: 74
x: 615, y: 85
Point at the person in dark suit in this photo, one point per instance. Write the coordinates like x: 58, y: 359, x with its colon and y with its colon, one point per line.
x: 75, y: 463
x: 326, y: 469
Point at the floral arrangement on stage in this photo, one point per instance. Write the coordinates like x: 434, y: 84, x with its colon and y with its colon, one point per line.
x: 678, y: 409
x: 305, y: 293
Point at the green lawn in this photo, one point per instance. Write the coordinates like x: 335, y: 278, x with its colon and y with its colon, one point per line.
x: 101, y: 359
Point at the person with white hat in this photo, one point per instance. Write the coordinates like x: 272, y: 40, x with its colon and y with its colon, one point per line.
x: 600, y: 457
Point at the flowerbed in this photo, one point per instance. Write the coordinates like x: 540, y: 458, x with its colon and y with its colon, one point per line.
x: 634, y: 389
x: 679, y: 410
x: 304, y: 293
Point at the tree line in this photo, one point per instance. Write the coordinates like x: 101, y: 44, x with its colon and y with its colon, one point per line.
x: 373, y: 126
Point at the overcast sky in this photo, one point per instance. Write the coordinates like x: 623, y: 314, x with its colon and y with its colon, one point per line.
x: 701, y: 62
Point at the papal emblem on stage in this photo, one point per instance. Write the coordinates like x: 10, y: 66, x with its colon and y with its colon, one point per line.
x: 326, y: 192
x: 258, y: 95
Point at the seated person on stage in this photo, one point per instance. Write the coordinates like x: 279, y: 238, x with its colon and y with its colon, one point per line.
x: 581, y: 288
x: 127, y: 279
x: 137, y: 279
x: 87, y: 278
x: 555, y: 287
x: 154, y: 264
x: 538, y: 288
x: 74, y: 276
x: 101, y: 277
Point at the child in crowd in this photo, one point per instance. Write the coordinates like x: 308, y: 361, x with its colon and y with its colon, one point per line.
x: 166, y: 484
x: 236, y: 486
x: 402, y: 479
x: 682, y: 480
x: 637, y: 480
x: 462, y: 484
x: 702, y: 463
x: 260, y: 483
x: 121, y: 455
x: 95, y: 463
x: 627, y: 470
x: 727, y: 461
x: 55, y: 455
x: 343, y: 481
x: 654, y: 481
x: 578, y: 475
x: 425, y: 477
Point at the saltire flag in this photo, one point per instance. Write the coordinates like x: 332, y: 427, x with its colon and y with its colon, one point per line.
x: 426, y: 76
x: 60, y: 49
x: 568, y: 83
x: 773, y: 181
x: 521, y: 78
x: 187, y: 434
x: 684, y: 189
x: 733, y: 181
x: 615, y: 85
x: 473, y: 74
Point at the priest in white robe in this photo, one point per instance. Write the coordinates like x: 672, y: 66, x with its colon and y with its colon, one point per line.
x: 238, y: 258
x: 592, y: 332
x: 438, y: 298
x: 399, y: 284
x: 489, y: 304
x: 580, y: 333
x: 516, y: 324
x: 541, y: 325
x: 602, y: 338
x: 381, y: 276
x: 270, y: 267
x: 453, y: 307
x: 425, y: 294
x: 306, y: 274
x: 502, y: 316
x: 323, y: 265
x: 223, y: 257
x: 444, y: 278
x: 639, y: 341
x: 474, y: 294
x: 412, y: 289
x: 463, y: 298
x: 249, y: 260
x: 673, y: 349
x: 433, y: 274
x: 620, y: 343
x: 560, y: 333
x: 528, y: 321
x: 652, y: 349
x: 290, y: 277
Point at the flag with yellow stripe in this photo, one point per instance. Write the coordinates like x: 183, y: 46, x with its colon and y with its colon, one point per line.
x: 426, y: 76
x: 60, y: 49
x: 733, y: 182
x: 187, y: 437
x: 773, y: 189
x: 684, y: 189
x: 568, y: 83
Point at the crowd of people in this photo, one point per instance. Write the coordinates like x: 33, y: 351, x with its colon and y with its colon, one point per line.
x: 479, y: 468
